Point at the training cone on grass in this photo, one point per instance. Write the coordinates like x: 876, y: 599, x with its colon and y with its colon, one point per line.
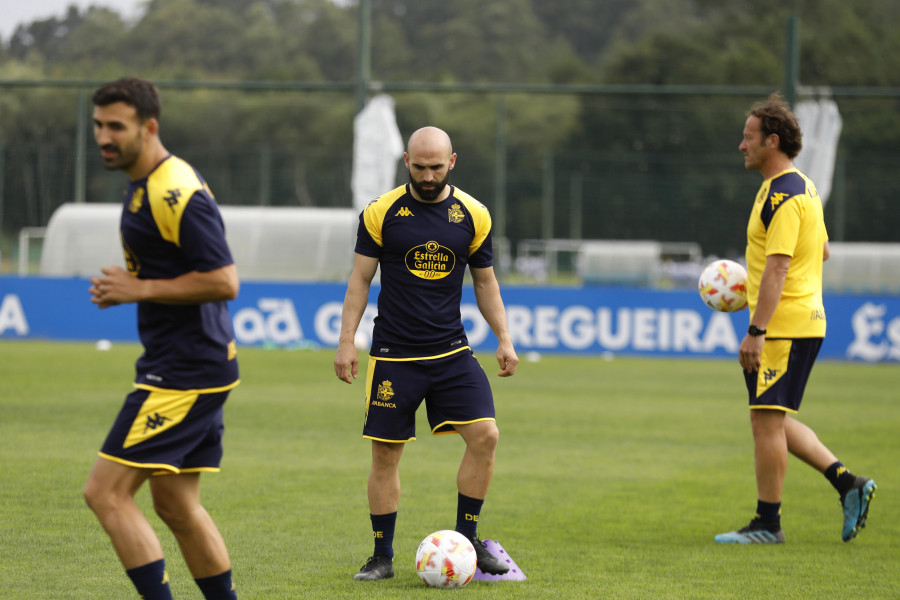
x: 514, y: 573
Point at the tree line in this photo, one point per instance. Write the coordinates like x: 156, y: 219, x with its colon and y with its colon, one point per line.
x: 639, y: 166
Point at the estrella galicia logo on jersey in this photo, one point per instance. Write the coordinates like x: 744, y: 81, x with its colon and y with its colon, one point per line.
x: 404, y: 212
x: 777, y: 198
x: 455, y: 214
x: 769, y: 375
x: 155, y: 420
x: 137, y: 199
x: 430, y: 261
x: 171, y: 198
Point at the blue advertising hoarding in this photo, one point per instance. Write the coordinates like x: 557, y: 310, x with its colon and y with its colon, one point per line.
x: 570, y: 320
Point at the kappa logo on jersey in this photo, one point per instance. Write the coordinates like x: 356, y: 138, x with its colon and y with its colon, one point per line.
x: 155, y: 420
x: 171, y: 198
x: 769, y: 375
x: 404, y: 212
x: 137, y: 199
x: 455, y: 214
x: 430, y: 261
x: 777, y: 198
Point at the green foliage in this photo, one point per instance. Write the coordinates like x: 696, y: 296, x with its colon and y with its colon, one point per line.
x: 630, y: 150
x: 612, y: 478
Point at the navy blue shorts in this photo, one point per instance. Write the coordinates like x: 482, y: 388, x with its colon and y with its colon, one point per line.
x: 784, y: 370
x: 455, y: 389
x: 174, y: 431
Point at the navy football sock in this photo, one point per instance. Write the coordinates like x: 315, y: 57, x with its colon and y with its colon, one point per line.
x: 467, y: 511
x: 383, y: 530
x: 217, y: 587
x: 151, y: 580
x: 840, y: 477
x: 770, y: 512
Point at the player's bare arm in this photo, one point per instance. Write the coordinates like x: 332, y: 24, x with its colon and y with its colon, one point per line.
x: 770, y: 288
x: 346, y: 360
x: 118, y: 286
x: 487, y: 296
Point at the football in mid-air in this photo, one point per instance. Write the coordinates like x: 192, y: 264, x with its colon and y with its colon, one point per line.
x: 446, y: 559
x: 723, y: 286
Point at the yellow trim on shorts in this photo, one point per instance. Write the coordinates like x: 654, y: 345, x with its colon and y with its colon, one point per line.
x: 422, y: 357
x: 370, y: 375
x: 773, y: 407
x: 136, y: 465
x: 153, y: 388
x: 191, y: 471
x: 435, y: 431
x: 161, y: 469
x: 375, y: 439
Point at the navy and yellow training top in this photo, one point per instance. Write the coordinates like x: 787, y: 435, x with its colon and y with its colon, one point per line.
x: 171, y: 226
x: 423, y: 249
x: 787, y: 219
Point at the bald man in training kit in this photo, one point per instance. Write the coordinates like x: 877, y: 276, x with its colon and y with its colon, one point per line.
x: 423, y: 235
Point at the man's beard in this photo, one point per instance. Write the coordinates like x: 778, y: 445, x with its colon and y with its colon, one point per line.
x: 431, y: 193
x: 125, y: 158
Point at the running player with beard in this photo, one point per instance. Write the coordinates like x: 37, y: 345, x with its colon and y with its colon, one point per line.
x: 181, y: 275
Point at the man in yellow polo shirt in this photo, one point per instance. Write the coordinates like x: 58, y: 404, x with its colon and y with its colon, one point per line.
x: 786, y: 246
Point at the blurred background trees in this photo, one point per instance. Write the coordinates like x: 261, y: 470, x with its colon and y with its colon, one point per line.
x: 634, y: 166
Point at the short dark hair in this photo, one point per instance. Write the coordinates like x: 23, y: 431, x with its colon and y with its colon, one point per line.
x: 775, y: 116
x: 139, y: 93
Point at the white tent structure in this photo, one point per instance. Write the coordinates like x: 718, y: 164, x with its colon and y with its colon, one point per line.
x: 267, y: 243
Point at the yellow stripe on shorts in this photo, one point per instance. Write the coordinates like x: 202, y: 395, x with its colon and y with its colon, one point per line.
x: 773, y: 364
x: 161, y: 411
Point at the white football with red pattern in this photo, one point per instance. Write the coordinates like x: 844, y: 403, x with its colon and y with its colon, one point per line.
x: 723, y: 286
x: 446, y: 559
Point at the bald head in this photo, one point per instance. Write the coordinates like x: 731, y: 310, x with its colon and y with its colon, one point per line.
x: 431, y: 140
x: 429, y: 158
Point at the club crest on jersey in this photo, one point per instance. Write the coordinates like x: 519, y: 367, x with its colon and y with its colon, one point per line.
x: 385, y: 391
x: 137, y: 199
x: 131, y: 260
x: 455, y: 214
x: 430, y: 261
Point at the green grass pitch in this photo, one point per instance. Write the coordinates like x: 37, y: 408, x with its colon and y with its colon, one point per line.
x: 612, y: 478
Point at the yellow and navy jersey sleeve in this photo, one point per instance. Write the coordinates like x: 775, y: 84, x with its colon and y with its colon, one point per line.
x: 787, y: 219
x: 423, y: 250
x: 480, y: 251
x: 170, y: 226
x: 369, y: 241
